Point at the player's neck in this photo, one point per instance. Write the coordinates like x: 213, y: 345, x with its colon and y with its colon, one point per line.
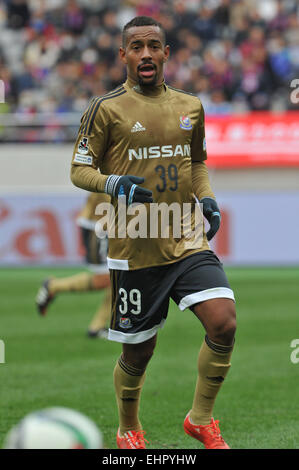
x: 148, y: 90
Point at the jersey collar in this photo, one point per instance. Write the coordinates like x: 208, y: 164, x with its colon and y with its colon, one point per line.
x: 154, y: 93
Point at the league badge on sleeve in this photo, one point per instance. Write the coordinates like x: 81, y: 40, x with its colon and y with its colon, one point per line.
x: 185, y: 123
x: 83, y: 146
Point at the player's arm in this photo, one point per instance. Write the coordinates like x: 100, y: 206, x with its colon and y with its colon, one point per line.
x: 200, y: 178
x: 90, y: 148
x: 201, y: 181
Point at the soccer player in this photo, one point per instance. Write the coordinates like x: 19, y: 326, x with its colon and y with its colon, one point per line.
x: 96, y: 279
x: 146, y: 143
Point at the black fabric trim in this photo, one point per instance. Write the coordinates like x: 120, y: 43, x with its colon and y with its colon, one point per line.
x: 220, y: 348
x: 129, y: 369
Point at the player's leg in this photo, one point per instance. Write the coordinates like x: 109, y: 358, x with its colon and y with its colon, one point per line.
x: 100, y: 281
x: 210, y: 297
x: 129, y: 376
x: 98, y: 278
x: 98, y: 325
x: 54, y: 286
x: 95, y: 255
x: 219, y: 319
x: 139, y: 309
x: 81, y: 282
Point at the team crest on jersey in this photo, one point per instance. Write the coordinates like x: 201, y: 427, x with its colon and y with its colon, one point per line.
x: 185, y: 123
x: 83, y: 146
x: 125, y: 322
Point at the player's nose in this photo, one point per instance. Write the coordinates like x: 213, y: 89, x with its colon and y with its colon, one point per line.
x: 146, y: 53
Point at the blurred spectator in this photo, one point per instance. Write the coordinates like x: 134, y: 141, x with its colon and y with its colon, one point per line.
x: 204, y: 24
x: 236, y: 55
x: 18, y: 14
x: 73, y: 18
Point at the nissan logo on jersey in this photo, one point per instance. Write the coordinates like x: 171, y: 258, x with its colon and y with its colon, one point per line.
x: 157, y: 151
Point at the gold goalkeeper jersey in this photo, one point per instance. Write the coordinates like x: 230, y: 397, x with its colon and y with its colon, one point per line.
x: 155, y: 136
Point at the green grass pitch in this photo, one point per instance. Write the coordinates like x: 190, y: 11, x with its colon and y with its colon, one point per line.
x: 51, y: 362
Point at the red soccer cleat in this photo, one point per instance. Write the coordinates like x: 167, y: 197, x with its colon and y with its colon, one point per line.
x: 209, y: 434
x: 131, y: 440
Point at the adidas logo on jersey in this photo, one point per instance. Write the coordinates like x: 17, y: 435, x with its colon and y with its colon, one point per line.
x: 137, y: 127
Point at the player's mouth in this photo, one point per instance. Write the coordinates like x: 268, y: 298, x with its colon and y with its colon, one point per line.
x: 146, y: 70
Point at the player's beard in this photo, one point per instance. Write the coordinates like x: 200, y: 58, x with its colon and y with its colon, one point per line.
x: 142, y: 83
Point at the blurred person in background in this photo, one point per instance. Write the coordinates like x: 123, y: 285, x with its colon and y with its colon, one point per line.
x: 96, y: 279
x: 18, y: 14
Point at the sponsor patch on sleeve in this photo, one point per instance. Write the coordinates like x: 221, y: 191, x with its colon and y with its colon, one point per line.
x: 83, y: 159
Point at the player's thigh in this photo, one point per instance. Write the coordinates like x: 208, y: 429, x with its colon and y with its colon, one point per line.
x: 101, y: 281
x: 138, y: 355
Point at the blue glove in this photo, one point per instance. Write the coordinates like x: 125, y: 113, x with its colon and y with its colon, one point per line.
x: 212, y: 214
x: 127, y: 186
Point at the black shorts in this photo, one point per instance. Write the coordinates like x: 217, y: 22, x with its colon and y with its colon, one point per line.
x: 95, y: 251
x: 140, y: 298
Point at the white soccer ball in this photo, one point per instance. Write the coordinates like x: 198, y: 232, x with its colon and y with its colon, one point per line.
x: 54, y: 428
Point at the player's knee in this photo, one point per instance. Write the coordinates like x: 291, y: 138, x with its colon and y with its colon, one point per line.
x: 228, y: 331
x: 145, y: 357
x: 139, y: 360
x: 224, y: 333
x: 223, y: 329
x: 139, y: 355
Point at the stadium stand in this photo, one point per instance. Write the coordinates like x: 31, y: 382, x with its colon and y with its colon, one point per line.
x: 237, y: 55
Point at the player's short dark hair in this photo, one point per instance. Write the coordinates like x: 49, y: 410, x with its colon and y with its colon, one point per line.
x: 141, y: 21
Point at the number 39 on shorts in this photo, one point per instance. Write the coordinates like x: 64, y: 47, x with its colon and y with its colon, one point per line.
x: 130, y: 302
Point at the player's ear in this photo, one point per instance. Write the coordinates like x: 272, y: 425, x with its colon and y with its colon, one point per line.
x: 122, y: 55
x: 166, y: 53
